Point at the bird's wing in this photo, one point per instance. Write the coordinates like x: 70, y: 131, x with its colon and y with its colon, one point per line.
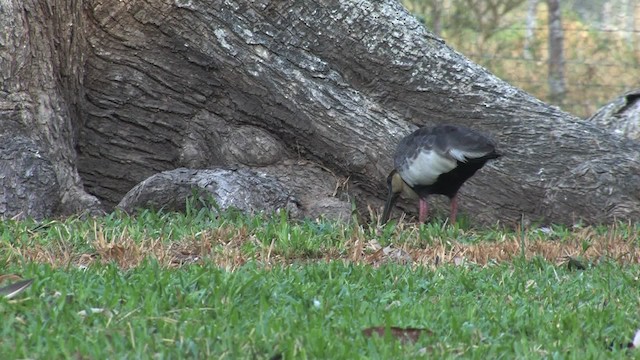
x: 462, y: 155
x: 425, y: 167
x: 425, y: 154
x: 462, y: 144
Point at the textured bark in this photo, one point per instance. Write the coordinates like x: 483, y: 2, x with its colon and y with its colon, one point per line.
x: 170, y: 190
x: 27, y: 178
x: 293, y: 186
x: 621, y: 117
x: 205, y: 84
x: 41, y: 62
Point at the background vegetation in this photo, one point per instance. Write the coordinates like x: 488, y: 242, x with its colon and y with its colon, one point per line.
x: 601, y: 44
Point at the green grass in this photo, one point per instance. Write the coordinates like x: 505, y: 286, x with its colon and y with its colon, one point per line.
x: 305, y: 307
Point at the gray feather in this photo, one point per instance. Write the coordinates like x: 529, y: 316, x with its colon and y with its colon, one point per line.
x: 455, y: 142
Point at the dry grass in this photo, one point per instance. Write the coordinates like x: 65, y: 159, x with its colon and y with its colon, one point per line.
x: 583, y: 243
x: 226, y: 246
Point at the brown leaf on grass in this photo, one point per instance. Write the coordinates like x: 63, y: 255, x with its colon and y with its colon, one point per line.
x: 405, y: 335
x: 179, y: 259
x: 126, y: 254
x: 357, y: 250
x: 85, y: 260
x: 398, y: 255
x: 388, y: 254
x: 375, y: 258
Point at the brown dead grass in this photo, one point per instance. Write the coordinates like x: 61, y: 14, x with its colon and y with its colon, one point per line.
x: 224, y: 247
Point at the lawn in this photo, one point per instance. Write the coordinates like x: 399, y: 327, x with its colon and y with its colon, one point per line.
x: 200, y: 285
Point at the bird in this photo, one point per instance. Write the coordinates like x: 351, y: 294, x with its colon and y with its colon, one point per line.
x: 436, y: 160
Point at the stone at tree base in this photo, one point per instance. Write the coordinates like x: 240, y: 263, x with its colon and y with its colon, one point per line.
x: 320, y: 193
x: 329, y: 208
x: 243, y: 189
x: 302, y: 188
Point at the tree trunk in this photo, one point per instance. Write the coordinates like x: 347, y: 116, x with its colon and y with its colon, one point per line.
x: 621, y: 116
x: 557, y: 89
x: 529, y: 32
x: 202, y: 84
x: 42, y: 72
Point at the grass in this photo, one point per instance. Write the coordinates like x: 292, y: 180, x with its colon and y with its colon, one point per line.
x: 200, y: 285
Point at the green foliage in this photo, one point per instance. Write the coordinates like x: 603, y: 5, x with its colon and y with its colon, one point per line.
x: 304, y: 306
x: 527, y: 309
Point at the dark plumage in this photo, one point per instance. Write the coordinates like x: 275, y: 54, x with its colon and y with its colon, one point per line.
x: 436, y: 160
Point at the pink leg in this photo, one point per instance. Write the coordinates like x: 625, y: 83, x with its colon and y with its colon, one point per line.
x: 424, y: 210
x: 454, y: 209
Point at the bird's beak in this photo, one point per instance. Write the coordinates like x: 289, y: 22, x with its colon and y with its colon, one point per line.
x: 392, y: 197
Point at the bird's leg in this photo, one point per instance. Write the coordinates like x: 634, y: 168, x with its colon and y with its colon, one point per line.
x: 424, y: 210
x: 454, y: 209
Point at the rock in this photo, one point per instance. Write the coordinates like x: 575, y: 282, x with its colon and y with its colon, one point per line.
x: 246, y: 190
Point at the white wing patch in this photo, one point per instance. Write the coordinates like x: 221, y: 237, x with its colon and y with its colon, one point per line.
x: 462, y: 155
x: 425, y: 169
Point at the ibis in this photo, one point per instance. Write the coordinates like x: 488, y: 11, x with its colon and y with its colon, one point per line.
x: 436, y: 160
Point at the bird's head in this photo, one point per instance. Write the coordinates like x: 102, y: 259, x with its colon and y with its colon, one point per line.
x: 395, y: 186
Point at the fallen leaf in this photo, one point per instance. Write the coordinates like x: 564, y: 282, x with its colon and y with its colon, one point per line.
x: 405, y: 335
x: 374, y: 245
x: 397, y: 255
x: 183, y: 259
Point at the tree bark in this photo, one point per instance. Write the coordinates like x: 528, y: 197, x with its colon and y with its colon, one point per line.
x: 171, y: 190
x: 42, y: 72
x: 206, y: 84
x: 621, y: 117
